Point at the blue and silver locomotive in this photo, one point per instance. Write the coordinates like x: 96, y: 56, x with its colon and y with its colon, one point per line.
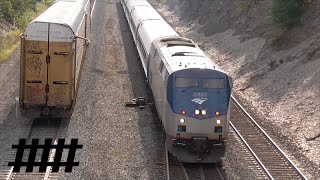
x: 191, y: 93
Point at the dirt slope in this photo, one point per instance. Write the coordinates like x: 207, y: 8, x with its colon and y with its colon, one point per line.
x: 281, y: 82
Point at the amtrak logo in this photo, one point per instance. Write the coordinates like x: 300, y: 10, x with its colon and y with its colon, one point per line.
x: 199, y: 100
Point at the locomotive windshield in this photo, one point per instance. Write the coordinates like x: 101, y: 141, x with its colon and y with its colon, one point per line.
x: 186, y: 82
x: 214, y: 83
x: 205, y: 83
x: 191, y: 89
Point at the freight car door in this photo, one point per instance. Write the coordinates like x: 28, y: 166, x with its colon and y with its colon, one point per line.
x: 33, y: 65
x: 60, y: 66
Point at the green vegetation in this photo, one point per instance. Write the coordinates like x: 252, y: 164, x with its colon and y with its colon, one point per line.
x: 162, y: 1
x: 276, y: 34
x: 18, y: 13
x: 286, y: 13
x: 241, y: 6
x: 283, y: 15
x: 9, y: 44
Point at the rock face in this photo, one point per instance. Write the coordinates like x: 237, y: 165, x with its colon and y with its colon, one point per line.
x: 281, y: 82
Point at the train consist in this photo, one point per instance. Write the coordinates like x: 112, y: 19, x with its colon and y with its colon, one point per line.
x: 191, y: 93
x: 52, y: 51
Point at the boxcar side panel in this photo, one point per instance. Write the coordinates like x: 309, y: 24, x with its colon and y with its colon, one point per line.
x: 35, y: 70
x: 60, y: 79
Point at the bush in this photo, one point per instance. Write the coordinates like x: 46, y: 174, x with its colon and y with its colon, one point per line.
x: 241, y: 6
x: 24, y: 20
x: 276, y: 35
x: 20, y: 12
x: 6, y: 11
x: 8, y: 44
x: 286, y: 13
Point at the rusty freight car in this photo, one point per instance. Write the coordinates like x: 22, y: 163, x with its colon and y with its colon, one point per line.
x: 53, y: 47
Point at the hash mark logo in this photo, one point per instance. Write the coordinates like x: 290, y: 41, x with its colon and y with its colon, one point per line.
x: 199, y: 100
x: 43, y: 164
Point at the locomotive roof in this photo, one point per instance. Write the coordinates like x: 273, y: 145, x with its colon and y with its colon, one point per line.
x: 148, y: 22
x: 155, y: 30
x: 181, y: 53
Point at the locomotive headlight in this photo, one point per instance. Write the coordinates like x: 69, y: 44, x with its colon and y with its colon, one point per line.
x: 197, y: 112
x: 182, y: 121
x: 218, y: 121
x: 184, y: 112
x: 203, y: 112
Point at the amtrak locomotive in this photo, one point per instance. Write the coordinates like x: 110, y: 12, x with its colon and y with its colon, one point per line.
x: 191, y: 93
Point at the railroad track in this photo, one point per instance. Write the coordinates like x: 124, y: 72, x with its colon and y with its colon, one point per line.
x: 40, y: 129
x: 202, y: 172
x: 186, y: 171
x: 271, y: 159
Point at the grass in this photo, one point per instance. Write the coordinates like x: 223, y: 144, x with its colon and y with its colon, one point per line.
x: 6, y: 53
x: 242, y: 6
x: 276, y: 34
x: 162, y: 1
x: 9, y: 44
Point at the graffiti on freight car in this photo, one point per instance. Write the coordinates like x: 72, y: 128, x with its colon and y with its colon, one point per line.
x: 32, y: 46
x: 34, y: 64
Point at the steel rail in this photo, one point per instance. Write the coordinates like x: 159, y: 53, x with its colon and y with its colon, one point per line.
x: 251, y: 151
x: 9, y: 176
x: 180, y: 166
x: 203, y: 171
x: 269, y: 139
x: 52, y: 154
x: 184, y: 171
x: 219, y: 173
x: 202, y: 176
x: 167, y: 162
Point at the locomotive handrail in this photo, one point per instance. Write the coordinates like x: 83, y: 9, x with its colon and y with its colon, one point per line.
x: 269, y: 139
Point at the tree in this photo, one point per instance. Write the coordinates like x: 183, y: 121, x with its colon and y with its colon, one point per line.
x: 286, y: 13
x: 7, y: 11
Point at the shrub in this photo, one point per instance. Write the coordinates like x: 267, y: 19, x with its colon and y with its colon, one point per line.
x: 18, y: 13
x: 24, y: 20
x: 276, y: 34
x: 241, y: 6
x: 286, y: 13
x: 8, y: 44
x: 6, y: 11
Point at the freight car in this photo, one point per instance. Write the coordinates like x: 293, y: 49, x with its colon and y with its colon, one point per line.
x: 191, y: 93
x: 53, y: 47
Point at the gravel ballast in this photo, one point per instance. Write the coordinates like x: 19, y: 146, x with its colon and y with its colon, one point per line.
x: 118, y: 142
